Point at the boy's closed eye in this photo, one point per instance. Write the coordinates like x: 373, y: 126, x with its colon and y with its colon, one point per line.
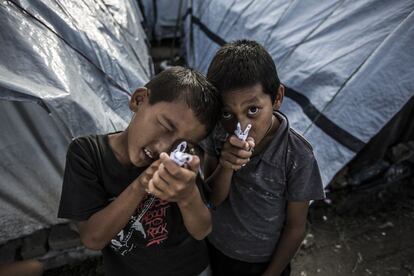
x: 164, y: 127
x: 166, y: 124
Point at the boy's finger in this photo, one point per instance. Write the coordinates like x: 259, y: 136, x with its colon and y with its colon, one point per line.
x: 194, y: 164
x: 175, y: 171
x: 165, y: 175
x: 236, y: 142
x: 240, y: 153
x: 154, y: 165
x: 169, y: 164
x: 233, y: 159
x: 153, y: 189
x: 159, y: 179
x: 251, y: 143
x: 163, y: 189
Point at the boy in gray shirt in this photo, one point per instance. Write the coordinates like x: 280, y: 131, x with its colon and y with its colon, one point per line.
x: 261, y: 186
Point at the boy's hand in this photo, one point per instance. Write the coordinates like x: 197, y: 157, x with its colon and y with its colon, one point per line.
x: 236, y: 153
x: 144, y: 178
x: 172, y: 182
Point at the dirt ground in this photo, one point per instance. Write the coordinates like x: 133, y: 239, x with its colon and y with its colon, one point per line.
x: 360, y: 233
x: 373, y: 236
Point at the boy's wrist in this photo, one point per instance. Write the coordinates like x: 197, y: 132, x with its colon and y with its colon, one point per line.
x: 138, y: 187
x: 189, y: 198
x: 224, y: 167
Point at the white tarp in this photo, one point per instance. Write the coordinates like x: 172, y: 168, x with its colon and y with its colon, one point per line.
x: 67, y: 68
x: 349, y: 64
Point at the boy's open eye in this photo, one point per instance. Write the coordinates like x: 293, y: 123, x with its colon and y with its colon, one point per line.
x: 253, y: 110
x: 226, y: 115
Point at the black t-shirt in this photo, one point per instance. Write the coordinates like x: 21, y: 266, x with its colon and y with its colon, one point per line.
x: 157, y: 244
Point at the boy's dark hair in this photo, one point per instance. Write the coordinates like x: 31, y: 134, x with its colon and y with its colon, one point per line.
x: 243, y: 63
x: 179, y: 83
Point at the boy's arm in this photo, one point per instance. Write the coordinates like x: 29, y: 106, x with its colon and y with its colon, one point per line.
x: 218, y: 179
x: 234, y: 155
x: 292, y: 235
x: 196, y: 216
x: 104, y: 225
x: 178, y: 184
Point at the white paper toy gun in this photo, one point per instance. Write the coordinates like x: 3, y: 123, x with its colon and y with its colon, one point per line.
x: 242, y: 134
x: 179, y: 156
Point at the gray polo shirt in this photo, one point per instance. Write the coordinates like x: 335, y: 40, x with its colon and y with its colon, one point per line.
x: 248, y: 224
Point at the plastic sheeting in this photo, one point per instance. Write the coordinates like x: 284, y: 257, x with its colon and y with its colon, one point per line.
x: 349, y: 65
x: 67, y: 68
x: 161, y: 17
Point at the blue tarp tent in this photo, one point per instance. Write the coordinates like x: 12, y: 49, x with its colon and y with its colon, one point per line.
x: 349, y: 65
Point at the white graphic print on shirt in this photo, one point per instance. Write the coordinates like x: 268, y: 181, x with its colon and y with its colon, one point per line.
x: 150, y: 229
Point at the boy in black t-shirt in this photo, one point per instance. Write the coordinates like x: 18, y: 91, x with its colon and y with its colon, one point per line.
x: 262, y: 181
x: 129, y: 198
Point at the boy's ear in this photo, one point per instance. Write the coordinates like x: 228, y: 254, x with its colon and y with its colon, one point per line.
x: 279, y: 97
x: 138, y: 98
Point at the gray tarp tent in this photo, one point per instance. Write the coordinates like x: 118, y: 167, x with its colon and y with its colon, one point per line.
x: 67, y: 68
x: 349, y: 65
